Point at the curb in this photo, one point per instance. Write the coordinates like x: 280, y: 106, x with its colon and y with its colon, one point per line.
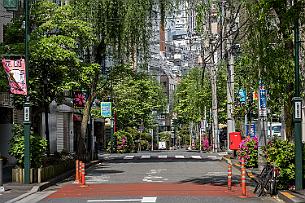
x: 53, y: 181
x: 290, y: 197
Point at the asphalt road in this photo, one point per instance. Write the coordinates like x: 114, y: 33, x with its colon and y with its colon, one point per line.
x: 152, y: 180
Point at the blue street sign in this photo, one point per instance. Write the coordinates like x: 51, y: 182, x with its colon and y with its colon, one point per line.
x: 262, y: 100
x: 242, y: 96
x: 106, y: 109
x: 252, y: 131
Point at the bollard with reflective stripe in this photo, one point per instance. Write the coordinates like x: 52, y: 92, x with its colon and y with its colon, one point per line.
x: 242, y: 166
x: 76, y: 171
x: 229, y: 175
x: 80, y: 171
x: 243, y: 178
x: 83, y: 176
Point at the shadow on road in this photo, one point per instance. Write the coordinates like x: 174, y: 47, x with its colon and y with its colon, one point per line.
x: 214, y: 180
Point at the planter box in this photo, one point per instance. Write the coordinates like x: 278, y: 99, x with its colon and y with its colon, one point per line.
x: 38, y: 175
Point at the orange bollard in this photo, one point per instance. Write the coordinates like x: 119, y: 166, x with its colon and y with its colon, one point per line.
x: 229, y: 175
x: 83, y: 181
x: 241, y: 168
x: 243, y: 178
x: 80, y: 171
x: 76, y: 172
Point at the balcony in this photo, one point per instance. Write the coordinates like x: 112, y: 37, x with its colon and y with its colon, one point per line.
x: 6, y: 100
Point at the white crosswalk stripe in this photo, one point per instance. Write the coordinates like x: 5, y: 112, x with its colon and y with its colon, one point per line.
x: 196, y: 157
x: 128, y: 157
x: 145, y: 157
x: 162, y: 156
x: 179, y: 156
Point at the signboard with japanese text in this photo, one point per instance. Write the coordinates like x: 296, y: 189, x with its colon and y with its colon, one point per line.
x: 16, y: 73
x: 106, y: 109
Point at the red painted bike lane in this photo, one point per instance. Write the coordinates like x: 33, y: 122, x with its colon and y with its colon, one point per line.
x: 147, y: 189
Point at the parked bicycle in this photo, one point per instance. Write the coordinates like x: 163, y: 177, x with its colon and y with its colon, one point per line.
x: 267, y: 181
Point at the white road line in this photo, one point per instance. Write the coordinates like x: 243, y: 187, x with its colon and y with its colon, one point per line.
x: 145, y: 157
x: 223, y: 153
x: 179, y: 156
x: 149, y: 199
x: 115, y: 200
x: 196, y: 157
x: 144, y: 199
x: 212, y: 157
x: 162, y: 156
x: 128, y: 157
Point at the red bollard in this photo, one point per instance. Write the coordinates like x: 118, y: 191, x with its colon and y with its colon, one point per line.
x: 229, y: 175
x: 76, y: 172
x: 243, y: 178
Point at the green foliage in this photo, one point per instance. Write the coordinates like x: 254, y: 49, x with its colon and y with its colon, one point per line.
x: 124, y: 141
x: 123, y: 25
x: 38, y: 147
x: 165, y: 136
x: 281, y: 153
x: 191, y: 96
x: 135, y: 97
x: 267, y: 52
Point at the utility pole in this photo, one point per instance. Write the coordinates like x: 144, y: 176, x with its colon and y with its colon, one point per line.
x: 27, y: 120
x: 262, y: 124
x: 228, y: 48
x: 297, y: 112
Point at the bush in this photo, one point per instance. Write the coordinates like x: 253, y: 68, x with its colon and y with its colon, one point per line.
x: 123, y: 142
x: 38, y: 146
x: 281, y: 153
x: 248, y: 149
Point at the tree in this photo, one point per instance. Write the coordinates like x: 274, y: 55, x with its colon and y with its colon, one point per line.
x: 191, y: 96
x: 122, y: 29
x: 267, y: 52
x: 135, y: 97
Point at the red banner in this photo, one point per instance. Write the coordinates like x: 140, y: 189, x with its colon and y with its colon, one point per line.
x: 15, y: 70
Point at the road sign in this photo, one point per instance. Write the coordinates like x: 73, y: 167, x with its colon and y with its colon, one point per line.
x: 11, y: 5
x: 106, y: 109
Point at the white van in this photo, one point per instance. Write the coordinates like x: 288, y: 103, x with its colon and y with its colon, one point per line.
x: 275, y: 130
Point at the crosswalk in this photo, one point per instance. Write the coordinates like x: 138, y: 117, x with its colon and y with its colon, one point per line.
x: 161, y: 157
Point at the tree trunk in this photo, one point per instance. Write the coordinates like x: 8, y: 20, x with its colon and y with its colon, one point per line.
x: 288, y: 119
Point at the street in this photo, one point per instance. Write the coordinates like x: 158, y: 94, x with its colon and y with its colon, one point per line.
x: 163, y: 179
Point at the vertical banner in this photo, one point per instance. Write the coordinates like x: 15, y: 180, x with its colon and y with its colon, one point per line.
x: 262, y: 100
x: 15, y: 70
x: 242, y: 96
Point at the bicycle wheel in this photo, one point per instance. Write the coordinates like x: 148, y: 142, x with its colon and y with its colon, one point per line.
x: 272, y: 187
x: 265, y: 183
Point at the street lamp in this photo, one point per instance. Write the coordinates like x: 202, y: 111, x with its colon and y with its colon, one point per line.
x: 27, y: 121
x: 297, y: 112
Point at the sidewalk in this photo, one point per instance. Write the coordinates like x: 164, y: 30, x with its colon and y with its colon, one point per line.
x: 17, y: 191
x: 285, y: 195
